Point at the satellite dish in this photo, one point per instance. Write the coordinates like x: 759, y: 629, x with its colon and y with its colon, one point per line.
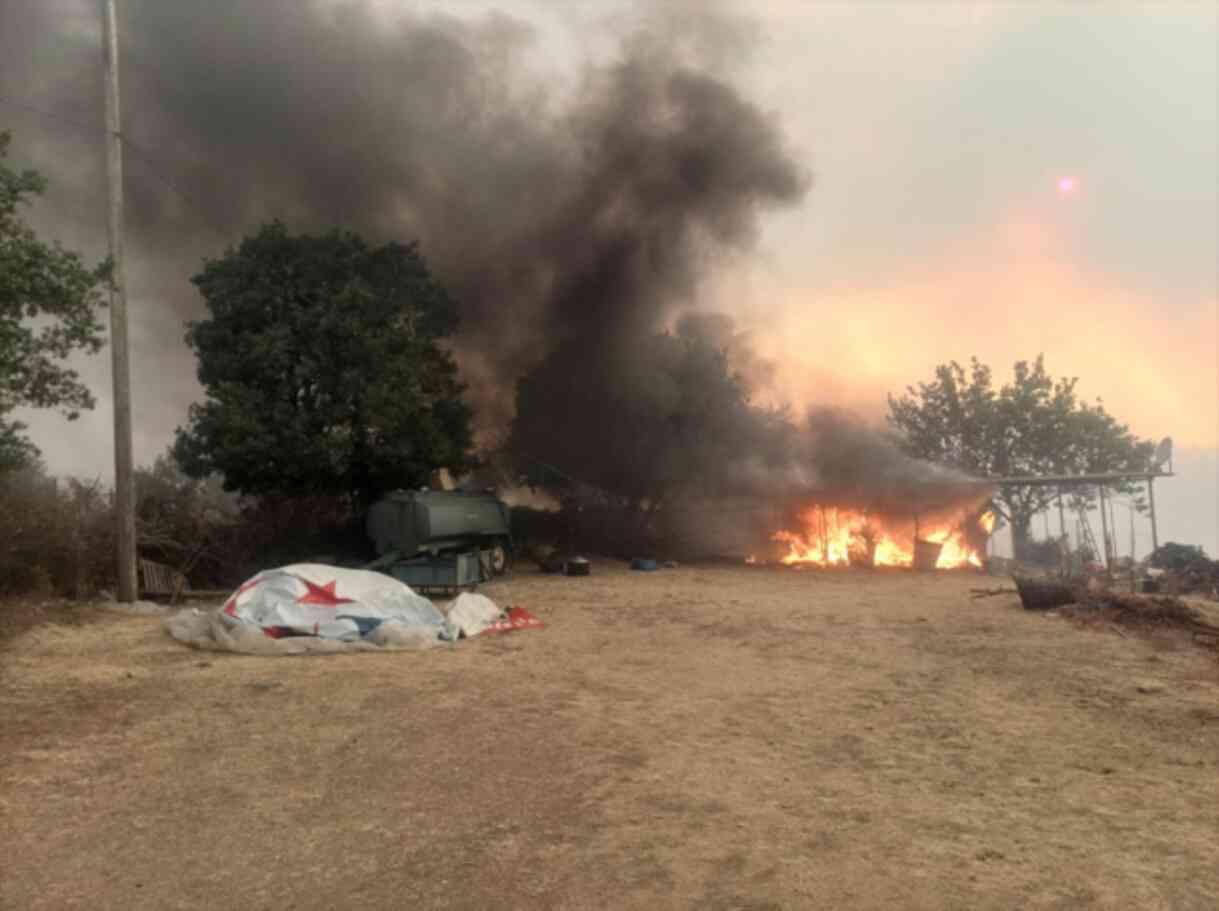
x: 1163, y: 455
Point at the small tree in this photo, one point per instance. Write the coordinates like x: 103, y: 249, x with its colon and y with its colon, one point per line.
x: 323, y: 368
x: 188, y: 523
x: 48, y: 309
x: 1034, y: 425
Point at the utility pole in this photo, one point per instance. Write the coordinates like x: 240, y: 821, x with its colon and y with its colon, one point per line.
x: 124, y: 500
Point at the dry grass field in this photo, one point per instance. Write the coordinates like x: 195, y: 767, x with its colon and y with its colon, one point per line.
x: 705, y: 737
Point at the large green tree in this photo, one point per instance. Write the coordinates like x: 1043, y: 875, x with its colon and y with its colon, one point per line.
x: 49, y: 303
x: 324, y: 369
x: 1034, y: 425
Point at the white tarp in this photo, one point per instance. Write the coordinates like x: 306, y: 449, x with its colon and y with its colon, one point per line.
x: 312, y: 599
x: 311, y: 607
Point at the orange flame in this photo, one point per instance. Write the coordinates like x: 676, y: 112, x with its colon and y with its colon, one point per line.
x: 838, y: 537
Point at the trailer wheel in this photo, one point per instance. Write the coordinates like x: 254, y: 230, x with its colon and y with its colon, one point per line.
x: 499, y: 558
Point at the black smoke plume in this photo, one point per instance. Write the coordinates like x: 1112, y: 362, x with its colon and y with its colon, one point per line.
x: 572, y: 222
x: 577, y: 215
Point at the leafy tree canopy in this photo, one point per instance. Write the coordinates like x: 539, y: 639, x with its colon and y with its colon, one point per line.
x: 1178, y: 556
x: 323, y: 369
x: 48, y: 309
x: 1034, y: 425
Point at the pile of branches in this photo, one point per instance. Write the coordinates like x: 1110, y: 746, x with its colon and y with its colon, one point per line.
x: 1146, y: 613
x: 1117, y: 610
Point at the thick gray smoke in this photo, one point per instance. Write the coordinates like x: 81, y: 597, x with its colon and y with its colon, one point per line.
x: 571, y: 224
x: 554, y: 216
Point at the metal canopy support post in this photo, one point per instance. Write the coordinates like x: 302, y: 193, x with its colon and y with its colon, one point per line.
x: 1104, y: 525
x: 1151, y: 498
x: 1130, y: 518
x: 1064, y: 542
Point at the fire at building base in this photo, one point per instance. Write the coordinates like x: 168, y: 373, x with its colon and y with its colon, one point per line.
x: 837, y: 536
x: 926, y: 534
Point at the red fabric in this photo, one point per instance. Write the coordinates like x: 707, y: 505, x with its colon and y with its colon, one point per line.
x: 518, y: 618
x: 321, y: 594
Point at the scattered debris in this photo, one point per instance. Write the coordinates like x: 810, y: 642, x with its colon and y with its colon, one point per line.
x: 1144, y: 612
x: 976, y: 593
x: 515, y: 618
x: 1091, y: 603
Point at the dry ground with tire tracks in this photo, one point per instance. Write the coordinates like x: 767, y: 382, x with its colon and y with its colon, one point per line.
x: 705, y: 737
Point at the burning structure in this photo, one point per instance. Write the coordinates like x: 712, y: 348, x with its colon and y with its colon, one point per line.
x: 870, y: 504
x: 948, y: 538
x: 830, y: 492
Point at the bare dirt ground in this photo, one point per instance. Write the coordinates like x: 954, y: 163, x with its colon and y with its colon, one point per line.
x: 707, y: 738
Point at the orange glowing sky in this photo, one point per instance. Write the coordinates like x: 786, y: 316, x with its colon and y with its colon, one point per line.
x: 851, y: 345
x: 1001, y: 180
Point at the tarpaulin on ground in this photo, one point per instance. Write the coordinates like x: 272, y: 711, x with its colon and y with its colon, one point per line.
x: 309, y: 607
x: 311, y: 599
x: 312, y: 607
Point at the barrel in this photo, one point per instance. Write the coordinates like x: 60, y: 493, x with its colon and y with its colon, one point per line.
x: 926, y: 554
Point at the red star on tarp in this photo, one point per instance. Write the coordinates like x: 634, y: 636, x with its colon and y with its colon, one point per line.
x: 230, y: 607
x: 322, y: 594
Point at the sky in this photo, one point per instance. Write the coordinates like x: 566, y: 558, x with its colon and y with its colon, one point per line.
x: 992, y: 179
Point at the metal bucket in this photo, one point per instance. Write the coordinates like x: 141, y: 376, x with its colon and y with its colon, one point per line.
x: 577, y: 566
x: 926, y: 554
x: 861, y: 555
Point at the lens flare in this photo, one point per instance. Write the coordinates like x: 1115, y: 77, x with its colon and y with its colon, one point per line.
x: 1067, y: 185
